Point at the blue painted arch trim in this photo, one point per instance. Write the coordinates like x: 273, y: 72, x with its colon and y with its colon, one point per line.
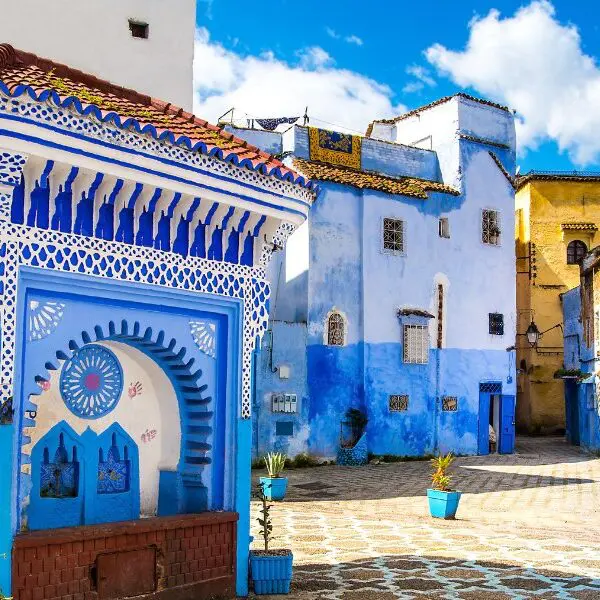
x: 166, y: 135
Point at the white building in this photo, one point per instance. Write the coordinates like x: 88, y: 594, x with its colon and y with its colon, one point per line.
x: 146, y: 45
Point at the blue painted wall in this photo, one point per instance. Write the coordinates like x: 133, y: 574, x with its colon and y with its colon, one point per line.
x: 348, y: 271
x: 6, y: 479
x: 582, y: 407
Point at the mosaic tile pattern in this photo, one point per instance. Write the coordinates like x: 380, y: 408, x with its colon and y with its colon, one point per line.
x: 528, y: 527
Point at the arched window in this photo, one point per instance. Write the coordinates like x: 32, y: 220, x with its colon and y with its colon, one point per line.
x: 336, y: 327
x: 576, y: 250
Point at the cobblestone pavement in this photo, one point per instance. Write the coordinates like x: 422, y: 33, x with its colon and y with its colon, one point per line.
x: 528, y: 526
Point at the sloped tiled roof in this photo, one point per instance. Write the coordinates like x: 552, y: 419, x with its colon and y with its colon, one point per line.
x: 572, y: 176
x: 43, y: 79
x: 420, y: 109
x: 406, y: 186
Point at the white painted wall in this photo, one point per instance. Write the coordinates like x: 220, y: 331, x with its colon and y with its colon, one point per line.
x: 94, y: 37
x: 154, y: 409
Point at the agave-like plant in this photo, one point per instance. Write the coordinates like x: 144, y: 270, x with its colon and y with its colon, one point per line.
x: 440, y: 480
x: 275, y: 463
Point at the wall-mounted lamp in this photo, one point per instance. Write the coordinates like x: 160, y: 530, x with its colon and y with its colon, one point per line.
x: 533, y: 334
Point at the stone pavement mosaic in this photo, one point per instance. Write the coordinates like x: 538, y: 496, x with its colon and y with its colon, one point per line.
x: 528, y: 526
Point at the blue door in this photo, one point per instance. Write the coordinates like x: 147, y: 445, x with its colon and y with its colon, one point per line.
x: 506, y: 443
x: 483, y: 438
x: 572, y: 412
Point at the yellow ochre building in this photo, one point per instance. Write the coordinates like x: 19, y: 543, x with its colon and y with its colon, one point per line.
x: 557, y: 219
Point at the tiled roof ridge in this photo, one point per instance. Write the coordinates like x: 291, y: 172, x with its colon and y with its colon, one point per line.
x: 502, y: 168
x: 382, y: 180
x: 576, y: 177
x: 11, y: 57
x: 437, y: 102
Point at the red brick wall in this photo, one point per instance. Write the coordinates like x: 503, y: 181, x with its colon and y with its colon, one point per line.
x: 195, y: 557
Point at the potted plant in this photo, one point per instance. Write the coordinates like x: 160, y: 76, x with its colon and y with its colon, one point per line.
x: 270, y: 570
x: 443, y: 501
x: 275, y: 485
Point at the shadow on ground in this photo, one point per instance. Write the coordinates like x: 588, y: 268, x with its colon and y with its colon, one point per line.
x: 384, y: 577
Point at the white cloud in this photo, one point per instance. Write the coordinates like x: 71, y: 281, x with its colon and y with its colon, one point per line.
x: 265, y: 86
x: 350, y: 39
x: 354, y: 39
x: 536, y: 65
x: 422, y: 79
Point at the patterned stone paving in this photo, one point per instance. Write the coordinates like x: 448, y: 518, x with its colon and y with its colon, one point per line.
x: 528, y: 527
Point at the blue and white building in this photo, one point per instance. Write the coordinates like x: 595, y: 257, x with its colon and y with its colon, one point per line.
x: 134, y: 239
x: 397, y: 296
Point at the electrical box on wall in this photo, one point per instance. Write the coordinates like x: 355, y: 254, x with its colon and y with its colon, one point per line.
x: 284, y: 403
x: 284, y: 371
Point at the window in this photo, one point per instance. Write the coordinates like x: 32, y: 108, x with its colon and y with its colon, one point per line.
x: 139, y: 29
x: 416, y: 344
x: 496, y: 322
x: 490, y: 227
x: 398, y: 403
x: 576, y: 250
x: 335, y: 329
x: 440, y: 316
x: 444, y: 227
x: 393, y: 236
x: 449, y: 403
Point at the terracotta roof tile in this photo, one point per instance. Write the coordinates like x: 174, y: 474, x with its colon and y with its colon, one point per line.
x: 443, y: 100
x: 572, y: 176
x: 406, y: 186
x: 21, y: 72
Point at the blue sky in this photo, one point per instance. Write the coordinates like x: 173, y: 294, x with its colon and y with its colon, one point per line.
x: 538, y: 57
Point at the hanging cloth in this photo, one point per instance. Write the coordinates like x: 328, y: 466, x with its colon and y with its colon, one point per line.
x: 271, y: 124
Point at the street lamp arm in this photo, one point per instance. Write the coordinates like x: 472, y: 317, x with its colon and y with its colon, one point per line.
x: 559, y: 325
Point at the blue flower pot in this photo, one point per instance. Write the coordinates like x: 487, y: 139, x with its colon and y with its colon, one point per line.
x: 271, y: 574
x: 274, y: 487
x: 443, y: 505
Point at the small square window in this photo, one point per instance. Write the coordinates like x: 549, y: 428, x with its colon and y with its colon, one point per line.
x: 393, y: 236
x: 490, y: 227
x: 284, y: 428
x: 444, y: 227
x: 496, y: 324
x: 449, y: 403
x: 416, y: 344
x: 398, y: 403
x: 139, y: 29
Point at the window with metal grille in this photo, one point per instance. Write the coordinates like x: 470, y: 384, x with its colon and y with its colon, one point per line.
x: 393, y: 236
x: 491, y: 387
x: 398, y: 402
x: 490, y: 227
x: 496, y: 323
x: 416, y: 344
x: 576, y: 250
x: 335, y: 329
x: 449, y: 403
x: 139, y: 29
x: 444, y: 227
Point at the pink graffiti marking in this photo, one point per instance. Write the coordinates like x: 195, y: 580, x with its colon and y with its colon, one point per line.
x: 135, y: 389
x: 148, y: 435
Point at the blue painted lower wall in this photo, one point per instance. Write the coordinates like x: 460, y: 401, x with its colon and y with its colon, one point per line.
x: 364, y: 376
x: 6, y: 476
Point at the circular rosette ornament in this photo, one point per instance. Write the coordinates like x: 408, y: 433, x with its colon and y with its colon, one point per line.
x: 91, y: 382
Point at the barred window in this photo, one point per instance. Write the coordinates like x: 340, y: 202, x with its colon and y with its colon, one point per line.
x: 398, y: 402
x: 416, y: 344
x: 444, y: 227
x: 335, y: 329
x: 576, y: 250
x: 393, y: 236
x: 496, y: 323
x: 490, y: 227
x: 449, y: 403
